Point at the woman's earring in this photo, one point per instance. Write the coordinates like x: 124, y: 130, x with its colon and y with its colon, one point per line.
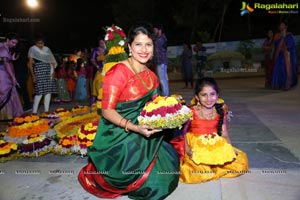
x: 130, y: 54
x: 198, y: 105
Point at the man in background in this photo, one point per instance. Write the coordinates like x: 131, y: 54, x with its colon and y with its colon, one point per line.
x: 160, y: 58
x: 201, y: 57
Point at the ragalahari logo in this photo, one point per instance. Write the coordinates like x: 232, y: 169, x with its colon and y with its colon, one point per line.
x: 246, y: 9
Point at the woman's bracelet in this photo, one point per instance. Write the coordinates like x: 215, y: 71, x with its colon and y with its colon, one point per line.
x: 126, y: 125
x: 121, y: 121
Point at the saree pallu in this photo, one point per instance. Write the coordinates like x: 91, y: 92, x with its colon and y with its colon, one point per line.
x: 127, y: 163
x: 285, y: 73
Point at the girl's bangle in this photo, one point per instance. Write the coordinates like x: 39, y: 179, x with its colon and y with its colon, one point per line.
x: 126, y: 125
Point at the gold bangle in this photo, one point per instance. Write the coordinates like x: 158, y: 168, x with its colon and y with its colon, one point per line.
x: 126, y: 125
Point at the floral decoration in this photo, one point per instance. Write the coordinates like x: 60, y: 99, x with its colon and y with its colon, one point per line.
x: 63, y: 113
x: 86, y: 136
x: 115, y: 41
x: 36, y: 145
x: 210, y: 148
x: 71, y: 125
x: 115, y: 36
x: 164, y: 112
x: 78, y: 110
x: 6, y: 150
x: 27, y: 128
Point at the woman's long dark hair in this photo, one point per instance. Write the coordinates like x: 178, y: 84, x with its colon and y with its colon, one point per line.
x: 211, y: 82
x: 79, y: 63
x: 143, y: 27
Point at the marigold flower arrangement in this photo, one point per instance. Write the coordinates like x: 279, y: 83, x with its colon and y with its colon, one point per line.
x: 7, y: 149
x: 66, y: 145
x: 36, y: 145
x: 79, y: 110
x: 52, y: 118
x: 164, y: 112
x: 63, y: 113
x: 68, y: 130
x: 25, y: 119
x: 115, y: 42
x: 212, y: 149
x: 26, y: 125
x: 71, y: 125
x: 86, y: 136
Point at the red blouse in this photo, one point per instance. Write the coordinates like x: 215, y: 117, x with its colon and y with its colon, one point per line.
x: 203, y: 126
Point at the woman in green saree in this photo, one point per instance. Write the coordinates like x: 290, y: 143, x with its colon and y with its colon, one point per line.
x: 126, y: 158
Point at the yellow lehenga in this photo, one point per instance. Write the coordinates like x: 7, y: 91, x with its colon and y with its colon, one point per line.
x: 212, y: 156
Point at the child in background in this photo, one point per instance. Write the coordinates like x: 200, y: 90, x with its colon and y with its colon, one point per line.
x: 61, y: 81
x: 89, y: 79
x: 81, y: 87
x: 71, y: 79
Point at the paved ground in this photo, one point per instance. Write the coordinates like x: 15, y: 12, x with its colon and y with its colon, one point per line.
x: 265, y: 125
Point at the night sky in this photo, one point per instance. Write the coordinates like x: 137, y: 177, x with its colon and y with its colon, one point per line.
x: 69, y: 24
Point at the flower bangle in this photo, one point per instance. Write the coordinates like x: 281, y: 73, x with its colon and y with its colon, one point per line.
x: 126, y: 128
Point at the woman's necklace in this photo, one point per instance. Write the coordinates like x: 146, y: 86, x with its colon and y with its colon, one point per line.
x: 208, y: 116
x: 139, y: 77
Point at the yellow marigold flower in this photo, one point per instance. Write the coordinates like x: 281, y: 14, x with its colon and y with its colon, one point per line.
x: 220, y: 100
x: 91, y: 136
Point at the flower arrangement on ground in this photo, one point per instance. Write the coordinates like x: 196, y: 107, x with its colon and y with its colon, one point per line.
x: 164, y: 112
x: 36, y: 145
x: 63, y: 113
x: 86, y: 136
x: 68, y: 130
x: 8, y: 151
x: 210, y: 150
x: 52, y: 118
x: 27, y: 125
x: 79, y: 110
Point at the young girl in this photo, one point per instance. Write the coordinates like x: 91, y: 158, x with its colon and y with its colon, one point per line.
x: 81, y: 90
x: 71, y: 79
x: 208, y: 151
x: 61, y: 76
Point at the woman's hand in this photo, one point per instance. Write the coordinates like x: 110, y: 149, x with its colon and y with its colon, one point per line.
x: 146, y: 130
x: 33, y: 78
x: 15, y: 56
x: 188, y: 151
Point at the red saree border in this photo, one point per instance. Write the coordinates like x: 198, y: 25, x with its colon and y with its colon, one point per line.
x: 87, y: 179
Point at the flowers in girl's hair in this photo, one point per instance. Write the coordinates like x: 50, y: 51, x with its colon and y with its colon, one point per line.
x: 115, y: 36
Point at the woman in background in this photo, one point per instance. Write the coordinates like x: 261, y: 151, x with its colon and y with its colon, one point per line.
x: 268, y: 47
x: 10, y: 104
x: 81, y: 86
x: 285, y: 73
x: 41, y: 65
x: 187, y: 66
